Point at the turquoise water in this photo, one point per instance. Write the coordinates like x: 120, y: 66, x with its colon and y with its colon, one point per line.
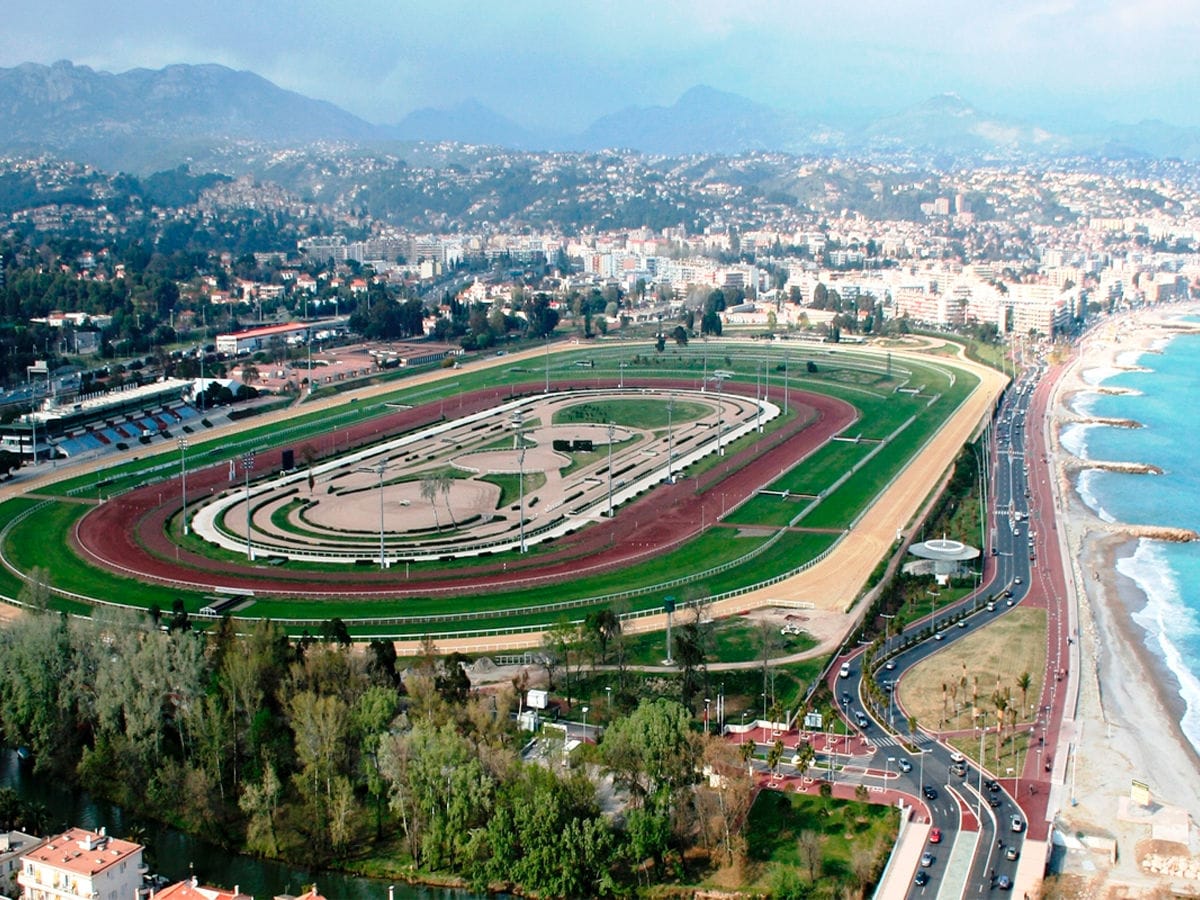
x: 1167, y: 403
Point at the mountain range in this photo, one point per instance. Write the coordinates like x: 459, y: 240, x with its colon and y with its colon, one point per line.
x: 145, y: 119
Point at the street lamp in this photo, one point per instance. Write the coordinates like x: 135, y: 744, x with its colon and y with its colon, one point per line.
x: 608, y: 691
x: 585, y: 712
x: 247, y: 465
x: 612, y: 428
x: 706, y: 702
x: 518, y: 421
x: 887, y: 769
x: 379, y: 468
x: 670, y: 440
x: 183, y: 445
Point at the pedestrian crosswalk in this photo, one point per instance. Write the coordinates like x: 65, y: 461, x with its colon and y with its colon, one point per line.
x: 888, y: 740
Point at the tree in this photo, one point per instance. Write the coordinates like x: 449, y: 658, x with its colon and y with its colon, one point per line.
x: 429, y: 491
x: 651, y: 752
x: 774, y: 755
x: 1024, y: 680
x: 812, y: 851
x: 260, y: 801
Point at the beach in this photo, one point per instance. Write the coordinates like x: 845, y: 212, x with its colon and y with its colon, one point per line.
x: 1127, y: 723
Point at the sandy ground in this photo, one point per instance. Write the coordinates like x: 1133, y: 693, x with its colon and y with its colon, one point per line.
x: 1127, y: 722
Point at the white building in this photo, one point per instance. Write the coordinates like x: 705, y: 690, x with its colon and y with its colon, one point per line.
x: 82, y: 865
x: 13, y: 845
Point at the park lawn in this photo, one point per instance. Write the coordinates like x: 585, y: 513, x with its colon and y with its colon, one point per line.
x: 732, y: 639
x: 994, y: 657
x: 845, y: 827
x: 510, y: 487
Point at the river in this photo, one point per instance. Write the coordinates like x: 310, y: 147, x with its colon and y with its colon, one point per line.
x: 177, y: 855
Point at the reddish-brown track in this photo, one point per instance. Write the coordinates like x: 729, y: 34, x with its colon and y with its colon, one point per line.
x: 128, y: 533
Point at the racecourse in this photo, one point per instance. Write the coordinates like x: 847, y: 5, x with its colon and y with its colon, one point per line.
x: 877, y: 435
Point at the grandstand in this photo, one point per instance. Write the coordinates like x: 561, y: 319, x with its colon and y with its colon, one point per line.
x: 98, y: 421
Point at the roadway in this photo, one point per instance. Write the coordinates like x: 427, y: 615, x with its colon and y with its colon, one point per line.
x: 974, y: 810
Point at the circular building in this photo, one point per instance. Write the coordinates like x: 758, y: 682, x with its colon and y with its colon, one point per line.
x: 944, y: 555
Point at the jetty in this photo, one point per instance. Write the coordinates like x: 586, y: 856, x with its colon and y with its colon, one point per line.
x: 1153, y: 532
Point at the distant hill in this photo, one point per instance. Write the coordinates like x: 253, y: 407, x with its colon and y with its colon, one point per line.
x: 117, y: 120
x: 146, y: 120
x: 702, y: 120
x: 469, y: 122
x: 949, y: 124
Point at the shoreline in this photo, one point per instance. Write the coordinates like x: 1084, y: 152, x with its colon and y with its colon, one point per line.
x: 1130, y: 709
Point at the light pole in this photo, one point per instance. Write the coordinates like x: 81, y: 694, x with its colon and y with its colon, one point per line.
x: 585, y: 712
x: 670, y: 440
x: 612, y: 428
x: 742, y: 734
x: 247, y: 465
x: 608, y: 692
x: 706, y: 702
x: 519, y: 422
x: 183, y: 446
x: 378, y: 469
x: 621, y: 378
x: 887, y: 769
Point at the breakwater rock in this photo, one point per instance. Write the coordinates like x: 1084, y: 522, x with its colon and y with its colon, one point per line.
x: 1154, y: 532
x: 1131, y: 468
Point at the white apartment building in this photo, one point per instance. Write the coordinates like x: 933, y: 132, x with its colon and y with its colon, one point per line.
x: 13, y: 845
x: 82, y: 865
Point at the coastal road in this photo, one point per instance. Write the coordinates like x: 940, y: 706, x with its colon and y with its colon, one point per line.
x: 984, y: 817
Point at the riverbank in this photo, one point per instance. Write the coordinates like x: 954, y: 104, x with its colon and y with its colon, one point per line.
x: 1130, y: 706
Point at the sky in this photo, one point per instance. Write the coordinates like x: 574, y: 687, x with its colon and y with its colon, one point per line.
x: 559, y: 65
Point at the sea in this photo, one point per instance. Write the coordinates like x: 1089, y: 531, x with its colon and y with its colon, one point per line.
x: 1164, y: 395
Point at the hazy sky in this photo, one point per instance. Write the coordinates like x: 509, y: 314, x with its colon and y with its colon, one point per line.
x: 561, y: 64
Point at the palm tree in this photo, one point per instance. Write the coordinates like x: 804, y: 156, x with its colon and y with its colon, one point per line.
x: 1001, y: 703
x: 1023, y: 682
x: 444, y: 484
x: 429, y: 491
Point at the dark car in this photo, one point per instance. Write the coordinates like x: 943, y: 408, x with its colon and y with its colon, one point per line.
x: 922, y: 878
x: 929, y: 792
x: 1004, y: 883
x: 994, y: 801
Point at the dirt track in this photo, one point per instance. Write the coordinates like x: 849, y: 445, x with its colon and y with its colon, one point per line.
x: 128, y: 534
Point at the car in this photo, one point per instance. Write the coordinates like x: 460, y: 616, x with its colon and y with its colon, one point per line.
x: 1017, y: 824
x: 844, y: 671
x: 1011, y: 852
x: 930, y: 792
x: 926, y: 859
x: 940, y: 636
x: 956, y: 757
x: 962, y: 623
x: 1004, y: 883
x: 1017, y: 580
x: 904, y: 764
x: 890, y: 665
x: 992, y: 785
x: 935, y: 835
x: 922, y: 878
x: 845, y: 699
x: 959, y: 769
x: 994, y: 801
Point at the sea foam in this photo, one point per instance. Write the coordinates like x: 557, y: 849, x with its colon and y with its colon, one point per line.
x: 1166, y: 619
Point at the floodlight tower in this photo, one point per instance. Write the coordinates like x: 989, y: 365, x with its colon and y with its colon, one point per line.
x: 247, y: 465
